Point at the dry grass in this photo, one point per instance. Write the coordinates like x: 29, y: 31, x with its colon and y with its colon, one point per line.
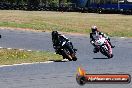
x: 14, y: 56
x: 113, y: 24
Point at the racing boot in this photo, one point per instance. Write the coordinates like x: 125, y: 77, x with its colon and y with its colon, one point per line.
x: 95, y: 50
x: 75, y: 50
x: 111, y: 44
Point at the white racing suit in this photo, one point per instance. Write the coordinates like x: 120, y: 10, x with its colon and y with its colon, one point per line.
x: 94, y: 36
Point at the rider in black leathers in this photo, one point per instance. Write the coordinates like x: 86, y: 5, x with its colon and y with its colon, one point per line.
x: 94, y: 35
x: 58, y: 39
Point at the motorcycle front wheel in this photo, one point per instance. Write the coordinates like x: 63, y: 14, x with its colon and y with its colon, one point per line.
x: 66, y: 55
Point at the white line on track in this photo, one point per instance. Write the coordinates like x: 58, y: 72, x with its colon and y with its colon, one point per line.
x: 29, y: 50
x: 9, y: 48
x: 21, y: 49
x: 122, y: 37
x: 1, y: 47
x: 25, y: 64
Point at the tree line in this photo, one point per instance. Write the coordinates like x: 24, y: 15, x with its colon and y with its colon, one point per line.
x: 35, y: 1
x: 31, y: 4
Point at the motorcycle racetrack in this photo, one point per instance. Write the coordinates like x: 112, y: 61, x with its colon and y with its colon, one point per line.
x: 62, y: 74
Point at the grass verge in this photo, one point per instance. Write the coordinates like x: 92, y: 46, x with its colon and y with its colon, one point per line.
x: 112, y: 24
x: 14, y: 56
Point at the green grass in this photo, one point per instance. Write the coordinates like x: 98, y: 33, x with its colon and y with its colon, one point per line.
x: 112, y: 24
x: 14, y: 56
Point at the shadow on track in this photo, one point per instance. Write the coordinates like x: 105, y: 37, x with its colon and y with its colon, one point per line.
x: 100, y: 58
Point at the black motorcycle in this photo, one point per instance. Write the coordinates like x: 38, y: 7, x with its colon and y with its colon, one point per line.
x: 67, y: 51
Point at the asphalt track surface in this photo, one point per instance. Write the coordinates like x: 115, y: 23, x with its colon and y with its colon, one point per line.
x: 62, y: 74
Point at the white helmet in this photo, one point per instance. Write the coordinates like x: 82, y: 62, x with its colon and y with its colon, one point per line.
x: 94, y: 28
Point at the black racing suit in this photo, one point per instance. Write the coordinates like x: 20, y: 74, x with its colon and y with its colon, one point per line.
x: 94, y: 36
x: 57, y: 44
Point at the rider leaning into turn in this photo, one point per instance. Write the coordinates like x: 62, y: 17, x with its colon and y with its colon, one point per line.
x: 57, y: 39
x: 94, y: 35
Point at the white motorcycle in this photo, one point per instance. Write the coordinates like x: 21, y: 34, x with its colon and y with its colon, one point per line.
x: 104, y: 46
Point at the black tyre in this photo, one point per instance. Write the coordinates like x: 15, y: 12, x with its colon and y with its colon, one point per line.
x: 105, y: 52
x: 110, y: 56
x: 66, y: 55
x: 74, y: 58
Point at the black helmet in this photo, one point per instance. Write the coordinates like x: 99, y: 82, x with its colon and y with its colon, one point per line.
x: 94, y: 29
x: 55, y: 34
